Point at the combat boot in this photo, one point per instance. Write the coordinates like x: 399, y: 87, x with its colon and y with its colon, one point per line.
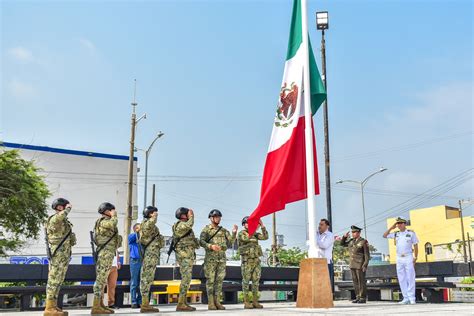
x: 97, y: 309
x: 247, y: 304
x: 50, y: 309
x: 105, y: 307
x: 255, y: 301
x: 210, y: 303
x: 182, y: 306
x: 218, y: 304
x: 146, y: 308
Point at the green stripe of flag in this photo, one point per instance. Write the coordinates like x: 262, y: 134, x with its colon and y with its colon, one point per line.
x: 318, y: 92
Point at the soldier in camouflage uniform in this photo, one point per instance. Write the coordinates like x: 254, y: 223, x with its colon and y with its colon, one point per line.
x: 359, y: 260
x: 152, y: 242
x: 60, y: 241
x: 185, y: 246
x: 107, y: 241
x: 250, y: 252
x: 215, y: 240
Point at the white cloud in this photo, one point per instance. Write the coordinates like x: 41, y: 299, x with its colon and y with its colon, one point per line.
x: 21, y: 54
x: 87, y: 44
x: 21, y: 90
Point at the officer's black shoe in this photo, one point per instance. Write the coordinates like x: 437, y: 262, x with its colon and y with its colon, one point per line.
x: 361, y: 302
x: 355, y: 301
x: 135, y: 306
x: 113, y: 306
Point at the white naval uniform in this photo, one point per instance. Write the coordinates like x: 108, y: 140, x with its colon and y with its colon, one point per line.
x: 405, y: 267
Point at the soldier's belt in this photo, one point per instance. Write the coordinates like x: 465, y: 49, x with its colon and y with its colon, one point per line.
x: 406, y: 254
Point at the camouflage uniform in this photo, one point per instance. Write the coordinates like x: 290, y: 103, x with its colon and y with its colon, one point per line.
x: 359, y: 260
x: 57, y: 228
x: 105, y: 227
x: 215, y: 261
x: 185, y: 252
x: 149, y: 235
x: 250, y: 252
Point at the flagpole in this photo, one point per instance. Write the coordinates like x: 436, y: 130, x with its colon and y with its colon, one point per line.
x: 312, y: 251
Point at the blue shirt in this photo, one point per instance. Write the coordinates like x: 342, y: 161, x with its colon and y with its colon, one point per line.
x: 133, y: 246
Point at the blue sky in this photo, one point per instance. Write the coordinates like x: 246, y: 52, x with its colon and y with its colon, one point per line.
x: 400, y: 83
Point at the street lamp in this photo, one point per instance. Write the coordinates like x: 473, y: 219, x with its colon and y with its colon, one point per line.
x: 322, y: 20
x: 362, y: 185
x: 147, y: 154
x: 322, y: 23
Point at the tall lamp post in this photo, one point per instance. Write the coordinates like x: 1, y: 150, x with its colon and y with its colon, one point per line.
x: 362, y: 185
x: 147, y: 154
x: 322, y: 23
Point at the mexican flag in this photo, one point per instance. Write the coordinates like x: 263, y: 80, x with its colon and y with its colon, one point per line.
x: 284, y: 175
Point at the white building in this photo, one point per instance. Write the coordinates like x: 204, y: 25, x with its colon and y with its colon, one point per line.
x: 86, y: 179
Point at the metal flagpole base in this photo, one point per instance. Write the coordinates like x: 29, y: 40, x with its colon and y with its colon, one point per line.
x: 314, y: 286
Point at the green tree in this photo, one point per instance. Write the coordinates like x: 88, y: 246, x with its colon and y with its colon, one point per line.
x: 23, y: 196
x: 291, y: 257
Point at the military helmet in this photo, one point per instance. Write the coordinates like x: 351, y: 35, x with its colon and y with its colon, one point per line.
x: 181, y: 211
x: 106, y: 206
x: 148, y: 211
x: 59, y: 202
x: 215, y: 213
x: 245, y: 220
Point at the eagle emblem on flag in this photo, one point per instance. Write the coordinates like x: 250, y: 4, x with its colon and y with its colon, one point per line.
x: 286, y: 105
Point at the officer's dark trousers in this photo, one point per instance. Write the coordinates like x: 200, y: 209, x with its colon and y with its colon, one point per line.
x: 360, y: 286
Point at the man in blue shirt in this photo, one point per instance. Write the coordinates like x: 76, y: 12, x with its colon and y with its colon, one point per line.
x: 135, y: 266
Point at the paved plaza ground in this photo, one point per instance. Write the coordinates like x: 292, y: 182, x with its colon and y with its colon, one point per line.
x: 275, y: 309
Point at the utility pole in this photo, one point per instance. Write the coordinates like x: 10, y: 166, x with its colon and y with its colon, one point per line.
x: 462, y: 232
x: 131, y: 159
x: 153, y: 195
x: 274, y: 240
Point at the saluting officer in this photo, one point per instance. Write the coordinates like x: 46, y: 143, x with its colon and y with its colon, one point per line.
x: 215, y: 240
x: 185, y: 249
x: 359, y: 260
x: 151, y: 241
x: 107, y: 241
x: 406, y: 242
x: 60, y: 241
x: 250, y: 253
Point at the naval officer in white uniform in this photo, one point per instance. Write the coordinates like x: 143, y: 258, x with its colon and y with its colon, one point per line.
x: 406, y: 242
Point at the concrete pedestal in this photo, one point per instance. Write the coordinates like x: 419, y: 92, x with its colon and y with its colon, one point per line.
x: 314, y: 286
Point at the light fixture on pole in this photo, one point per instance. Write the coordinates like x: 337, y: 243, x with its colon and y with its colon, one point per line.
x: 362, y: 185
x: 322, y: 20
x: 147, y: 154
x: 322, y: 23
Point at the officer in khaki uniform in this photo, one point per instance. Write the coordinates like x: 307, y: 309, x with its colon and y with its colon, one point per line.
x: 359, y: 260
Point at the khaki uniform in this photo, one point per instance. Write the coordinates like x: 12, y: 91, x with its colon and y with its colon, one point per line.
x: 185, y: 252
x: 215, y: 261
x: 57, y: 228
x: 105, y: 227
x: 359, y: 260
x: 150, y: 238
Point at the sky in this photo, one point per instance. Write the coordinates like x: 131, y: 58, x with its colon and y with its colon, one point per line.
x: 400, y: 95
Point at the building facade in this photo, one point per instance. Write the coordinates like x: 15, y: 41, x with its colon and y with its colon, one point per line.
x: 440, y: 234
